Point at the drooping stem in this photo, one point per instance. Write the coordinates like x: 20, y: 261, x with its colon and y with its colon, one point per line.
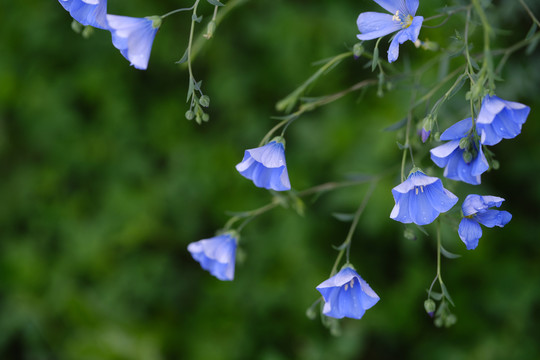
x: 345, y: 247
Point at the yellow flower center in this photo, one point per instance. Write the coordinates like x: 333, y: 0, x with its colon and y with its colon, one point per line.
x: 404, y: 21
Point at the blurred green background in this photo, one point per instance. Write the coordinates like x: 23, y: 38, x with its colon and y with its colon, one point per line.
x: 104, y: 183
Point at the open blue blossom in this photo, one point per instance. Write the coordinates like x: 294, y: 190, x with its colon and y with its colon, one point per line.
x: 266, y: 166
x: 500, y: 119
x: 374, y: 25
x: 475, y: 212
x: 420, y: 199
x: 462, y: 157
x: 216, y: 255
x: 88, y: 12
x: 134, y: 37
x: 346, y: 294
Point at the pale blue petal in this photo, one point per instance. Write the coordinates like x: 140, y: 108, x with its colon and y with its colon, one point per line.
x: 400, y: 212
x: 253, y: 167
x: 440, y: 199
x: 216, y: 255
x: 410, y: 33
x: 479, y: 165
x: 412, y: 6
x: 393, y: 5
x: 369, y: 298
x: 271, y: 155
x: 420, y: 209
x: 475, y: 203
x: 500, y: 119
x: 469, y: 232
x: 458, y: 130
x: 491, y: 218
x: 373, y: 25
x: 441, y: 154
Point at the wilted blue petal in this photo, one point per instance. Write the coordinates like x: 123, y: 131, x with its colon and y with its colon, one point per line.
x: 266, y: 167
x: 475, y: 203
x: 458, y: 130
x: 500, y: 119
x: 134, y: 37
x: 491, y: 218
x: 346, y: 294
x: 216, y: 255
x: 373, y: 25
x: 469, y: 232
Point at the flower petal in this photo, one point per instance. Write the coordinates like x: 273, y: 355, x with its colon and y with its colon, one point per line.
x: 475, y: 203
x: 458, y: 130
x: 469, y: 232
x: 420, y: 209
x: 410, y: 33
x: 491, y: 218
x: 373, y: 25
x: 441, y: 154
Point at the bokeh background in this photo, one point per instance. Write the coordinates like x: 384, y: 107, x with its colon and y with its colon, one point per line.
x: 104, y: 183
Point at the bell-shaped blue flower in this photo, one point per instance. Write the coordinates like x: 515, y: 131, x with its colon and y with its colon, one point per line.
x: 346, y: 294
x: 216, y: 255
x: 88, y: 12
x: 402, y: 18
x: 134, y: 37
x: 420, y: 199
x: 462, y: 157
x: 476, y: 211
x: 266, y: 166
x: 500, y: 119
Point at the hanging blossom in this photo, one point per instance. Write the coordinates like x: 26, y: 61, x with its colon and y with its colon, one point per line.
x: 266, y: 166
x: 500, y: 119
x: 402, y: 18
x: 462, y: 157
x: 88, y: 12
x: 420, y: 199
x: 134, y: 37
x: 216, y: 255
x: 475, y: 212
x: 346, y: 294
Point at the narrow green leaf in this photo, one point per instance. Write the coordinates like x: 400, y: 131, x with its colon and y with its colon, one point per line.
x: 343, y: 217
x: 396, y: 126
x: 375, y: 60
x: 215, y: 2
x: 184, y: 58
x: 446, y: 294
x: 436, y: 296
x: 447, y: 254
x: 196, y: 18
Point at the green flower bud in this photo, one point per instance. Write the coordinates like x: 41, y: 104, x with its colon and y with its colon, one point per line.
x: 467, y: 157
x: 357, y: 50
x: 204, y: 101
x: 430, y: 306
x: 450, y: 320
x: 495, y: 164
x: 190, y: 115
x: 205, y: 117
x: 464, y: 143
x: 409, y: 234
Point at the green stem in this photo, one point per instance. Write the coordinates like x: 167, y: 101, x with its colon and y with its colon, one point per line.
x: 347, y: 243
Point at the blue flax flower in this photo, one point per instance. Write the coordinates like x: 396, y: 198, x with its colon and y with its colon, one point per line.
x: 88, y: 12
x: 475, y: 212
x: 462, y: 157
x: 420, y: 199
x: 266, y: 166
x: 346, y: 294
x: 500, y: 119
x: 216, y: 255
x: 134, y: 37
x: 374, y: 25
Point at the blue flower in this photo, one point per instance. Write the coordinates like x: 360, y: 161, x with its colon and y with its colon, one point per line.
x: 475, y: 212
x: 462, y: 156
x: 420, y: 199
x: 88, y: 12
x: 346, y: 294
x: 499, y: 119
x: 373, y: 25
x: 266, y: 166
x: 216, y: 255
x: 134, y: 37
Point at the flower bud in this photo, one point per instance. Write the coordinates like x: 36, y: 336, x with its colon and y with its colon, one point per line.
x: 190, y: 115
x: 450, y: 320
x: 430, y: 307
x: 464, y: 143
x: 204, y: 101
x: 467, y: 156
x: 205, y: 117
x: 357, y: 50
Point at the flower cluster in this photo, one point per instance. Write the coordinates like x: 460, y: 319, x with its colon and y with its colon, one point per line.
x: 132, y: 36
